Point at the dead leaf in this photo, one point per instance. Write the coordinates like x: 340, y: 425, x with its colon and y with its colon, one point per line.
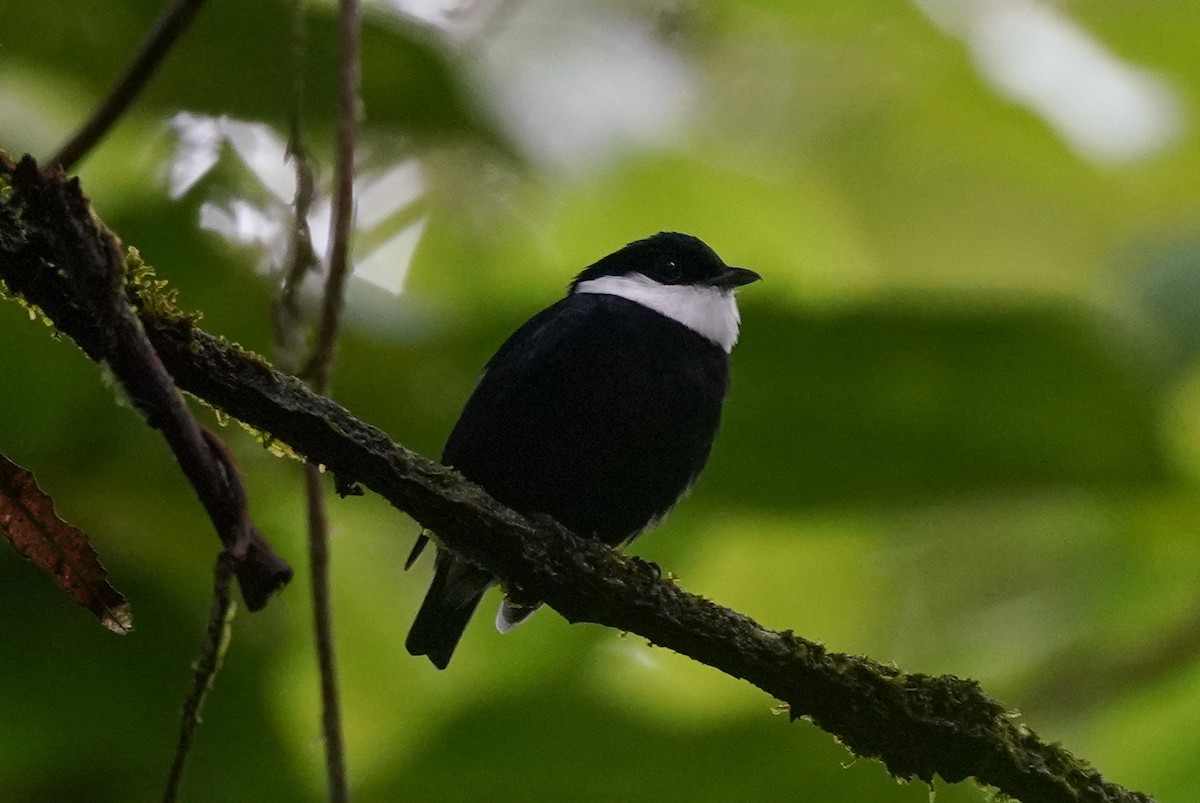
x: 28, y: 521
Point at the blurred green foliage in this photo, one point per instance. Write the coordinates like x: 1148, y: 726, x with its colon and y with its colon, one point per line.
x: 964, y: 433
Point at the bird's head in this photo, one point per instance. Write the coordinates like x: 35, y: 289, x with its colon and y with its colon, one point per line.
x: 676, y: 275
x: 670, y: 258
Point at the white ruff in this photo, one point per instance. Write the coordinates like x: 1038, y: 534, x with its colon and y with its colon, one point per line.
x: 709, y: 311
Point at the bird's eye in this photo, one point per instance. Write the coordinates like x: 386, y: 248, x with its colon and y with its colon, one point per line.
x: 671, y: 271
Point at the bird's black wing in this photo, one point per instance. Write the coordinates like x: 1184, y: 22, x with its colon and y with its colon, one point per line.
x: 458, y: 586
x: 537, y: 336
x: 598, y: 412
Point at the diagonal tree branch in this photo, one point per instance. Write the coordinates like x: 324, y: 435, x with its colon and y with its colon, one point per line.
x: 917, y: 725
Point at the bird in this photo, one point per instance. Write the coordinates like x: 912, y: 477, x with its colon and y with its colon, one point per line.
x: 599, y: 412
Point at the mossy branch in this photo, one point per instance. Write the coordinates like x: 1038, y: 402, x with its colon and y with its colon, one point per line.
x: 918, y: 725
x: 57, y: 256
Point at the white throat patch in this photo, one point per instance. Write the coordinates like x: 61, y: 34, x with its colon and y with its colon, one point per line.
x: 708, y: 311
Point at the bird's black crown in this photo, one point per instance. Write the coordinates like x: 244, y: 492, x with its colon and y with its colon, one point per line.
x: 667, y: 257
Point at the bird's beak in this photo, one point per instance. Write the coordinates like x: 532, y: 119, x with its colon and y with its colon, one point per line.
x: 735, y: 277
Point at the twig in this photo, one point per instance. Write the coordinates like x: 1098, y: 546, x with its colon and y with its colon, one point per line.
x: 343, y: 196
x: 219, y: 630
x: 917, y: 725
x: 287, y: 318
x: 318, y: 371
x: 212, y: 652
x: 302, y: 258
x: 154, y: 48
x: 331, y: 707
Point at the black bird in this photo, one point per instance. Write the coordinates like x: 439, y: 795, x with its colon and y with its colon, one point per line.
x: 599, y: 412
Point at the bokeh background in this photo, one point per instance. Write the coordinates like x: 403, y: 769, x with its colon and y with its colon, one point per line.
x: 964, y: 434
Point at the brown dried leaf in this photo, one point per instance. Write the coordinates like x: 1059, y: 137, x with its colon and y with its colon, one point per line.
x: 28, y: 521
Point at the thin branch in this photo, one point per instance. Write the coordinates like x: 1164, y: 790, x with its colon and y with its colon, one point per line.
x: 318, y: 371
x: 154, y: 48
x: 917, y: 725
x: 212, y: 652
x: 219, y: 630
x: 289, y: 338
x: 343, y: 195
x: 286, y: 314
x: 331, y: 706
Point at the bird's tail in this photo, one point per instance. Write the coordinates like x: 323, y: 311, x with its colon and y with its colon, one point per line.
x: 453, y: 596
